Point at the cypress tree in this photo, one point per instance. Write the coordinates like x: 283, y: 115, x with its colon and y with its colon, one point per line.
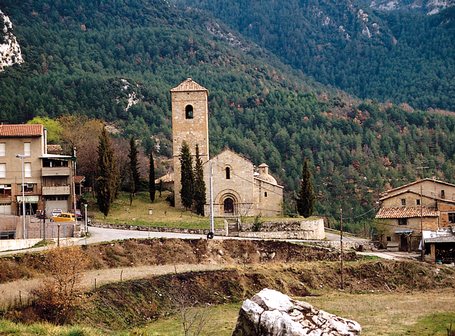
x: 187, y: 176
x: 135, y: 177
x: 107, y: 177
x: 306, y: 199
x: 152, y: 178
x: 199, y: 185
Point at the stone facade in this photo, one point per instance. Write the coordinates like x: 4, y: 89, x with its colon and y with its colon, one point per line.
x: 424, y: 205
x: 238, y: 189
x: 189, y: 124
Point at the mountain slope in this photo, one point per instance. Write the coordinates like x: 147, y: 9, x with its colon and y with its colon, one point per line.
x: 402, y: 56
x: 118, y: 62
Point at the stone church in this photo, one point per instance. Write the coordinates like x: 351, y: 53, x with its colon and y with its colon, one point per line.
x: 239, y: 189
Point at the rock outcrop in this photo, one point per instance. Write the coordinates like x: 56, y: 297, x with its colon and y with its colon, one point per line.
x: 10, y: 51
x: 271, y: 313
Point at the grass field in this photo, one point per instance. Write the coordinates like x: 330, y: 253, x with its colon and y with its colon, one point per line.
x: 138, y: 213
x: 380, y: 314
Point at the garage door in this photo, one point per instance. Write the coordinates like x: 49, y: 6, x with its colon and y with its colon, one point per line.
x: 51, y: 205
x: 5, y: 209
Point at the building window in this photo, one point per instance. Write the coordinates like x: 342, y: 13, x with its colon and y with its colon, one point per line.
x: 452, y: 217
x: 443, y: 194
x: 189, y: 112
x: 27, y: 169
x: 402, y: 221
x: 2, y: 149
x: 5, y: 190
x: 403, y: 202
x: 265, y: 193
x: 417, y: 201
x: 2, y: 170
x: 228, y: 173
x: 389, y: 238
x: 28, y: 187
x: 27, y: 149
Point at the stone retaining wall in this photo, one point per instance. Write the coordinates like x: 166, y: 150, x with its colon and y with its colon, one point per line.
x: 303, y: 229
x: 218, y: 232
x: 291, y: 229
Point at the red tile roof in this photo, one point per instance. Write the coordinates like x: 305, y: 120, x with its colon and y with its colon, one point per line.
x: 406, y: 212
x: 21, y: 130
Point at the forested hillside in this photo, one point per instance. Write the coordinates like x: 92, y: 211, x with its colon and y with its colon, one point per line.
x: 96, y: 58
x: 401, y: 56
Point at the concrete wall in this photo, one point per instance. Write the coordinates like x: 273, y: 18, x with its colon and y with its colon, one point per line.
x: 17, y: 244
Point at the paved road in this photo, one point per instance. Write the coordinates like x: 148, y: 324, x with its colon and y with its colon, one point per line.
x: 98, y: 235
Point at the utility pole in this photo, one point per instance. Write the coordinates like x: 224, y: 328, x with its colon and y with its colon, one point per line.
x: 212, y: 223
x: 422, y: 247
x: 21, y: 157
x: 341, y: 246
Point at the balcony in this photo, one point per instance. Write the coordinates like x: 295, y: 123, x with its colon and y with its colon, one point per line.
x: 55, y: 171
x: 60, y: 190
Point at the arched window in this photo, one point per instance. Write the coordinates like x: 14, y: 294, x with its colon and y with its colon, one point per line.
x: 228, y: 205
x: 228, y: 173
x: 189, y: 112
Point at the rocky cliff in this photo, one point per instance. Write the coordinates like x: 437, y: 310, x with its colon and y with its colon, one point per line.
x: 10, y: 51
x: 429, y: 7
x: 271, y: 313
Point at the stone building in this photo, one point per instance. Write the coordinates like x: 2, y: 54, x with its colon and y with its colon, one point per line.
x: 238, y: 188
x: 423, y: 205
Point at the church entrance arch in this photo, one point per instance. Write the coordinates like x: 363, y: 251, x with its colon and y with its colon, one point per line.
x: 228, y: 205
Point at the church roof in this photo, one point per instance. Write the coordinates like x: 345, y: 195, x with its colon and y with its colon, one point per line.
x: 188, y: 85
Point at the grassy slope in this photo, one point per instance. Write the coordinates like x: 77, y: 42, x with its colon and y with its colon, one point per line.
x: 163, y: 215
x: 390, y: 314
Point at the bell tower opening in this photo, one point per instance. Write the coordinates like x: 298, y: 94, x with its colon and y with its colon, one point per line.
x: 189, y: 112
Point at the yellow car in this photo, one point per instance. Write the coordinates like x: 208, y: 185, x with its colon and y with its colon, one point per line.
x: 63, y: 217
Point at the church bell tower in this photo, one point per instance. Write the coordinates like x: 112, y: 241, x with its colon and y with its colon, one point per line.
x: 190, y: 124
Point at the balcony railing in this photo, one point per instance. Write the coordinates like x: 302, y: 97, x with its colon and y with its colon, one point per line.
x: 60, y: 190
x: 56, y: 171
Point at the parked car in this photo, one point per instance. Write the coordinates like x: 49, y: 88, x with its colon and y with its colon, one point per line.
x: 64, y: 217
x: 78, y: 214
x: 56, y: 212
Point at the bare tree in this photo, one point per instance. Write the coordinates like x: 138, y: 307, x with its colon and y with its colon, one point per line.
x: 58, y: 294
x: 192, y: 318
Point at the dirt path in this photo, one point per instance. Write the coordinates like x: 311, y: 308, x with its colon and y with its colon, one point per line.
x: 17, y: 292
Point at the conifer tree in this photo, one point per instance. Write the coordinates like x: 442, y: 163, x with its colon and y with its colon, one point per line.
x: 152, y: 188
x: 107, y: 177
x: 187, y: 176
x: 135, y: 177
x: 199, y: 185
x: 306, y: 199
